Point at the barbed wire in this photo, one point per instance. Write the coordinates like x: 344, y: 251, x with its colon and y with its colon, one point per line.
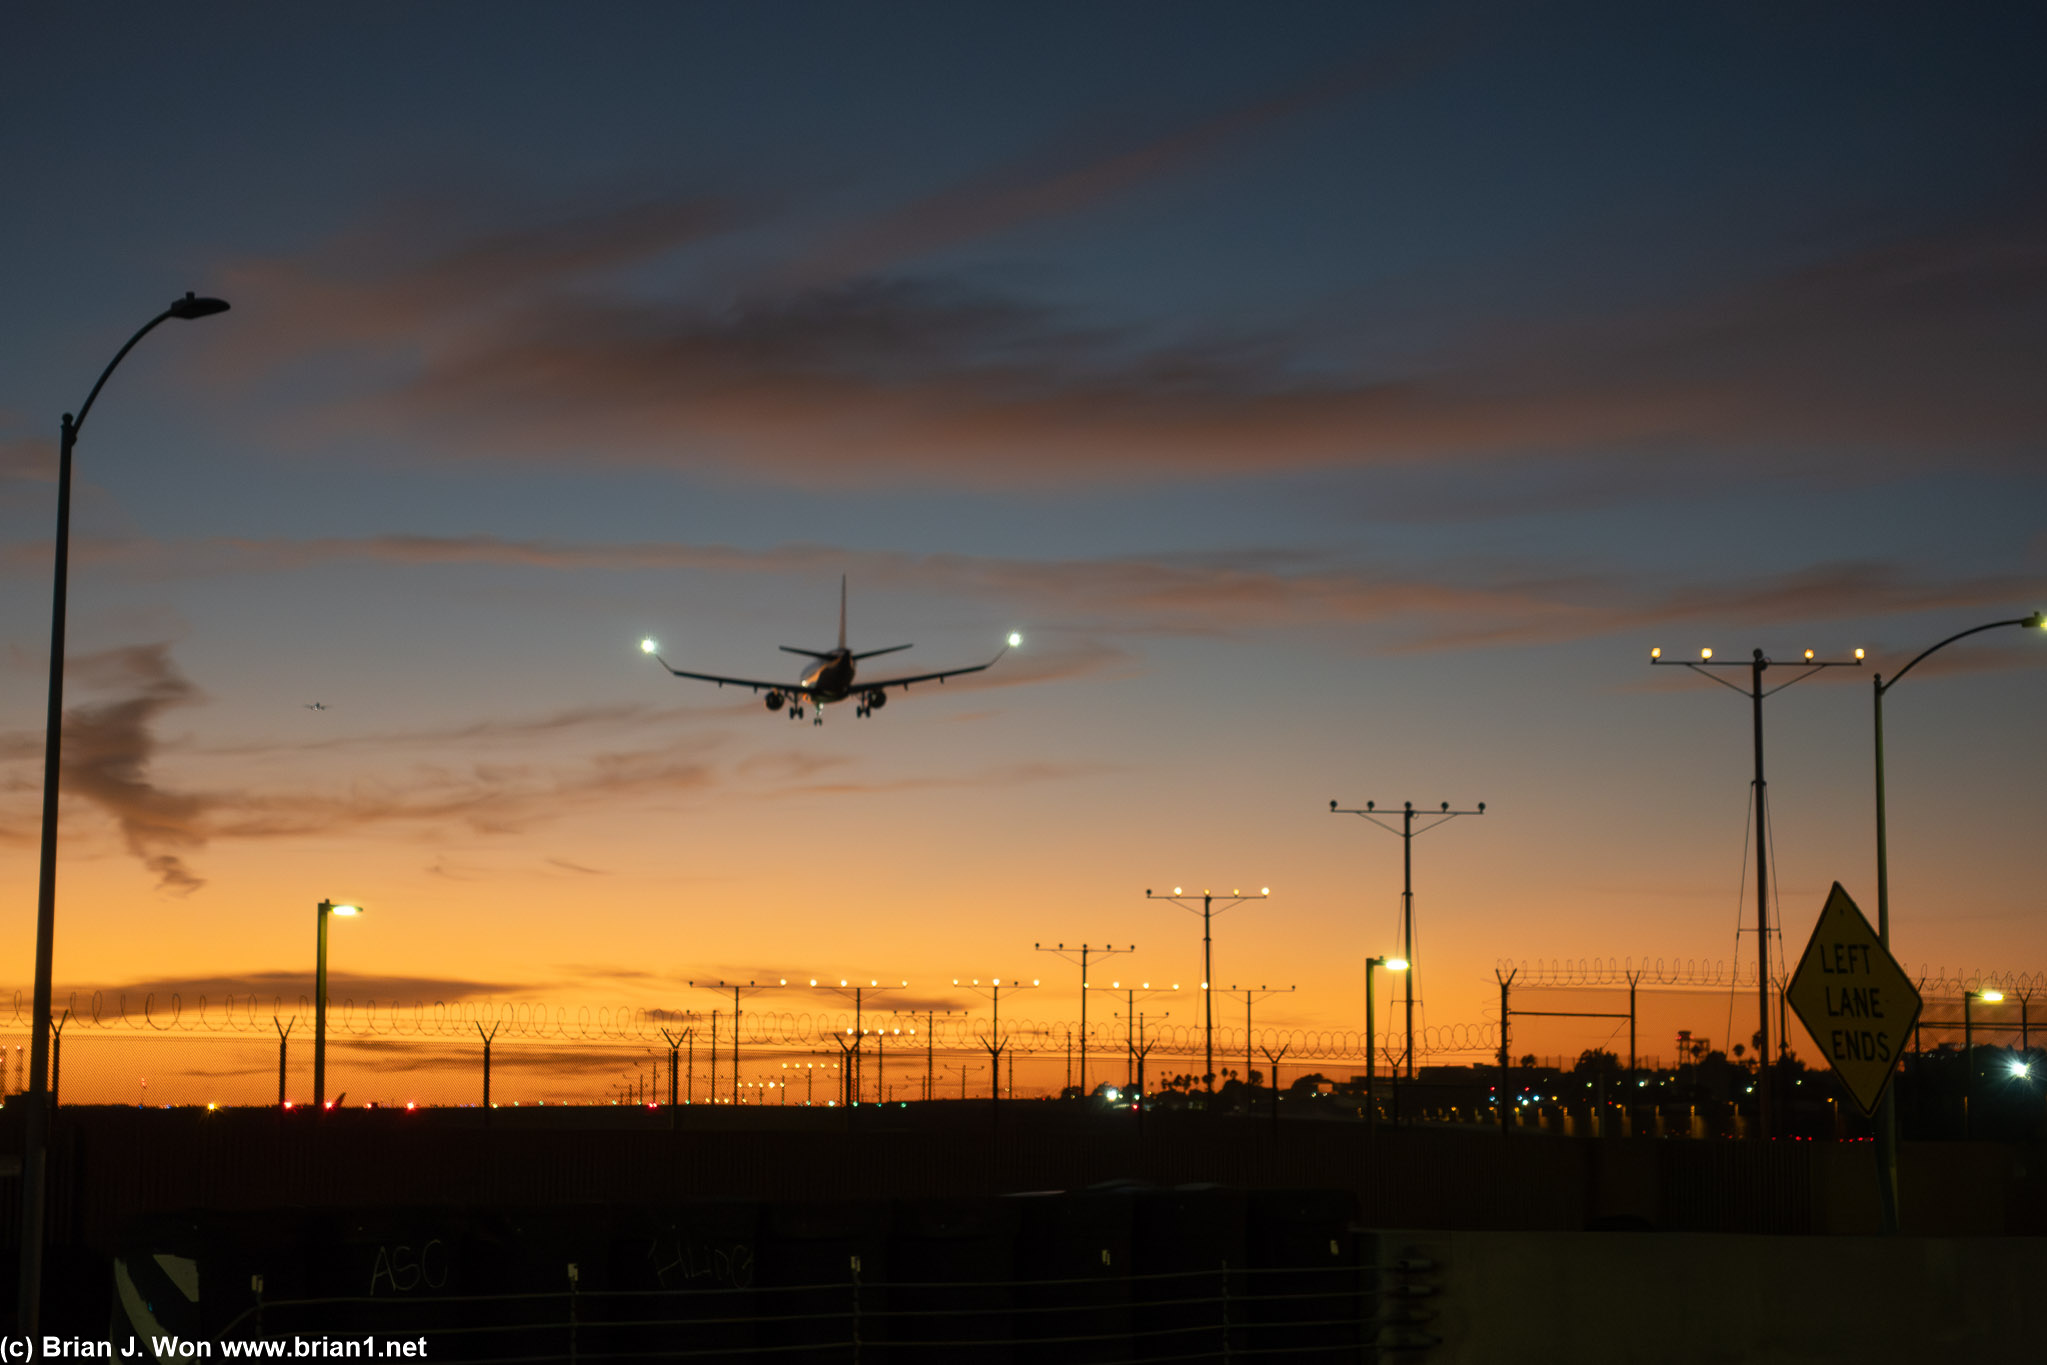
x: 257, y: 1016
x: 1709, y: 973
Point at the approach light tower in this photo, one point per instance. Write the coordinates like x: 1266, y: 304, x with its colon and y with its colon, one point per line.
x: 1207, y: 910
x: 1085, y: 950
x: 1408, y: 834
x: 1757, y: 664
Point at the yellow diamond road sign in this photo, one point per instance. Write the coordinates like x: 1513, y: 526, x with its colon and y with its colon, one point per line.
x: 1854, y: 999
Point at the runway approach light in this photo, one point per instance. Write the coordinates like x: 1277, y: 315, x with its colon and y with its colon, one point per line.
x: 1705, y: 654
x: 1015, y: 638
x: 647, y: 646
x: 1656, y: 653
x: 1858, y: 653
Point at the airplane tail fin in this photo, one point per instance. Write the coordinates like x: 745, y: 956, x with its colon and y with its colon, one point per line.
x: 842, y: 611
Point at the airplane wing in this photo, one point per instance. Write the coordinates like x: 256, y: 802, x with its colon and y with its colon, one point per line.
x: 862, y: 685
x: 793, y: 689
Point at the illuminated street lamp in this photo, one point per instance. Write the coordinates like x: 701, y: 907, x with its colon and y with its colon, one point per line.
x: 1989, y: 997
x: 1391, y: 964
x: 320, y: 1001
x: 34, y: 1153
x: 1887, y: 1113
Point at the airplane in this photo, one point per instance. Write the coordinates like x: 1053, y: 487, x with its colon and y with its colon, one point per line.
x: 318, y: 706
x: 831, y: 678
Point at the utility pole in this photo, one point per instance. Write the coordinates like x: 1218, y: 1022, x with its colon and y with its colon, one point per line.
x: 487, y: 1037
x: 738, y: 992
x: 1407, y: 833
x: 1501, y: 1093
x: 965, y: 1069
x: 675, y: 1042
x: 1139, y: 1050
x: 1208, y: 911
x: 857, y: 993
x: 1249, y: 994
x: 1757, y: 665
x: 283, y: 1037
x: 1098, y: 950
x: 995, y: 1039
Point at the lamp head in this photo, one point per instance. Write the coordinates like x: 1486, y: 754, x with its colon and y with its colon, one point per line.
x: 190, y: 307
x: 1396, y: 964
x: 2037, y: 621
x: 344, y: 910
x: 1990, y: 997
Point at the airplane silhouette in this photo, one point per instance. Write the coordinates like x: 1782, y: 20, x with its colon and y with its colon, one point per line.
x: 831, y: 678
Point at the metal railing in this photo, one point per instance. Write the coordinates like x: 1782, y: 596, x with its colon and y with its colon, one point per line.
x: 1237, y: 1313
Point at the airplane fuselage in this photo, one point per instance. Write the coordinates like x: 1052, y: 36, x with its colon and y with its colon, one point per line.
x: 832, y: 678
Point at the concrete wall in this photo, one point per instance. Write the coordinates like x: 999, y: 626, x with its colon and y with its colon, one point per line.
x: 1676, y: 1298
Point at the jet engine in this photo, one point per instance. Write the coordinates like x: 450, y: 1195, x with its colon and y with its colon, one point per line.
x: 876, y: 700
x: 774, y: 701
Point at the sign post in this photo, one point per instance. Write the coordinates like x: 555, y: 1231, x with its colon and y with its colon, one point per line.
x: 1854, y: 999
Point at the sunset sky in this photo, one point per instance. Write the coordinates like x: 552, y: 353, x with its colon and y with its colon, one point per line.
x: 1341, y: 400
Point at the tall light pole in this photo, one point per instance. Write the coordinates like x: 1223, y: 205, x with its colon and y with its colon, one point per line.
x: 35, y: 1134
x: 854, y: 991
x: 1085, y: 949
x: 1758, y: 664
x: 1887, y: 1112
x: 738, y: 992
x: 326, y: 908
x: 1408, y: 834
x: 1391, y: 964
x: 996, y: 1040
x: 1207, y: 911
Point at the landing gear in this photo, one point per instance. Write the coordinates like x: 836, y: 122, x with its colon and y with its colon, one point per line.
x: 796, y: 712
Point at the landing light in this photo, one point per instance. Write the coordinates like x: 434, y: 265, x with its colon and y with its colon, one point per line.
x: 2022, y: 1069
x: 1015, y: 638
x: 647, y: 646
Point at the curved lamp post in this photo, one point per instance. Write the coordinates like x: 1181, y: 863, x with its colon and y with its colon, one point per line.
x: 35, y: 1137
x: 1887, y: 1112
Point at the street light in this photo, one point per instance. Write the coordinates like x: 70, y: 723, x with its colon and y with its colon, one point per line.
x: 34, y: 1173
x: 320, y: 1001
x: 1988, y: 997
x: 1391, y: 964
x: 1887, y: 1112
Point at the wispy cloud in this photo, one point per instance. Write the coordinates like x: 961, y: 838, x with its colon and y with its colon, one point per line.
x: 108, y: 751
x: 1106, y: 163
x: 1864, y: 361
x: 1091, y: 603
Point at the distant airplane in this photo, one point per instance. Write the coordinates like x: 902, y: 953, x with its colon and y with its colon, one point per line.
x: 318, y: 706
x: 831, y: 679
